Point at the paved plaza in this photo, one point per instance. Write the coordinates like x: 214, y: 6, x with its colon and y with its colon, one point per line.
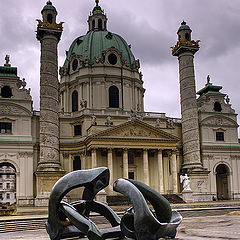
x: 195, y: 228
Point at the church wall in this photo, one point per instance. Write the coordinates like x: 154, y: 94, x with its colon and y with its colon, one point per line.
x: 232, y: 160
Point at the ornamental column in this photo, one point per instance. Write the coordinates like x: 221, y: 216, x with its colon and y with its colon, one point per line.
x: 49, y: 34
x: 160, y: 172
x: 174, y: 172
x: 110, y: 167
x: 145, y: 167
x: 125, y: 163
x: 94, y: 158
x: 185, y: 50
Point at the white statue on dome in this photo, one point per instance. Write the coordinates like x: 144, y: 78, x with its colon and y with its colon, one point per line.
x: 186, y: 182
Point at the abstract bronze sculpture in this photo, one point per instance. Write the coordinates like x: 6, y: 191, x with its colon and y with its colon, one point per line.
x: 72, y: 220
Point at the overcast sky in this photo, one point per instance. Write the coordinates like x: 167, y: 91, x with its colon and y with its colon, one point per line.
x: 150, y: 27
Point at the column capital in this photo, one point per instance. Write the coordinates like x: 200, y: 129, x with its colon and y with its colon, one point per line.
x: 110, y: 149
x: 160, y: 150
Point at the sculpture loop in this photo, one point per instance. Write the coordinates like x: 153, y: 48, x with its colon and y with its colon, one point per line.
x: 68, y: 220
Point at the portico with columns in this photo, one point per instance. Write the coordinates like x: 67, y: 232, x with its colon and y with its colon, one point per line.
x: 135, y: 150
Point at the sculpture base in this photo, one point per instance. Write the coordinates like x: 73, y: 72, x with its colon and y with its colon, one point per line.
x: 187, y: 196
x: 45, y: 182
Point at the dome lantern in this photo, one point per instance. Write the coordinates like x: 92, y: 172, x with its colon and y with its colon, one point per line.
x: 97, y: 20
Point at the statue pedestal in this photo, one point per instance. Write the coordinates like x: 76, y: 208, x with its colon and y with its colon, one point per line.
x: 187, y: 195
x: 102, y: 197
x: 45, y: 182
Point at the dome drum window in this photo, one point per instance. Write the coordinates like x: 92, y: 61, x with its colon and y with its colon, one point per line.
x: 113, y: 97
x: 74, y: 64
x: 112, y: 59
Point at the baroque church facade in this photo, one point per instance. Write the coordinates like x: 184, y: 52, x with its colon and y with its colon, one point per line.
x: 95, y: 117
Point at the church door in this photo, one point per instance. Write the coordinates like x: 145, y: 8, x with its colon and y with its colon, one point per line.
x: 222, y: 178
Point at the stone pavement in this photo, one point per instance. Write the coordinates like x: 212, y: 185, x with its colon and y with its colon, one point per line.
x: 195, y: 228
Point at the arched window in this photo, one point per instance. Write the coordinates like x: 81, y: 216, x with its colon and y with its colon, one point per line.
x: 6, y: 92
x: 93, y: 24
x: 217, y: 107
x: 50, y: 18
x: 187, y: 36
x: 99, y: 24
x: 113, y: 97
x: 75, y: 101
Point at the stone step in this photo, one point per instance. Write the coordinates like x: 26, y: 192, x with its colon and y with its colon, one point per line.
x: 25, y: 224
x: 21, y: 225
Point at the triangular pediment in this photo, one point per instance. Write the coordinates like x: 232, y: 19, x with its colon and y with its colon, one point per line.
x: 136, y: 129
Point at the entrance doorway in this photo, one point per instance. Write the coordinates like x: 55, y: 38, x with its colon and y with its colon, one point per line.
x: 7, y: 183
x: 222, y: 178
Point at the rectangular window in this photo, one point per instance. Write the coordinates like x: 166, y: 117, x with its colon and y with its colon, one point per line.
x: 77, y: 163
x: 78, y: 130
x: 8, y: 195
x: 1, y: 185
x: 5, y: 127
x: 1, y: 196
x: 8, y: 185
x: 131, y: 175
x: 219, y: 136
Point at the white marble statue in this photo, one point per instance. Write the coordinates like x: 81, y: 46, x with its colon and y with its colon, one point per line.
x: 186, y: 182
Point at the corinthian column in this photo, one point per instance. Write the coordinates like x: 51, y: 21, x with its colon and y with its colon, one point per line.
x: 160, y: 172
x: 94, y: 158
x: 125, y: 163
x: 174, y: 172
x: 145, y: 167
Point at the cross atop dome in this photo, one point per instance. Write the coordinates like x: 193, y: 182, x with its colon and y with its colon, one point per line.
x: 97, y: 2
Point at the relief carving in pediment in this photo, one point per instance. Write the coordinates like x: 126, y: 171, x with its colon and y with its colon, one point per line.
x: 134, y: 131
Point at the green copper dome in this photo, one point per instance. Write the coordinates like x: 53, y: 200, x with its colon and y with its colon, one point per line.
x: 184, y: 26
x: 49, y: 6
x: 94, y: 43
